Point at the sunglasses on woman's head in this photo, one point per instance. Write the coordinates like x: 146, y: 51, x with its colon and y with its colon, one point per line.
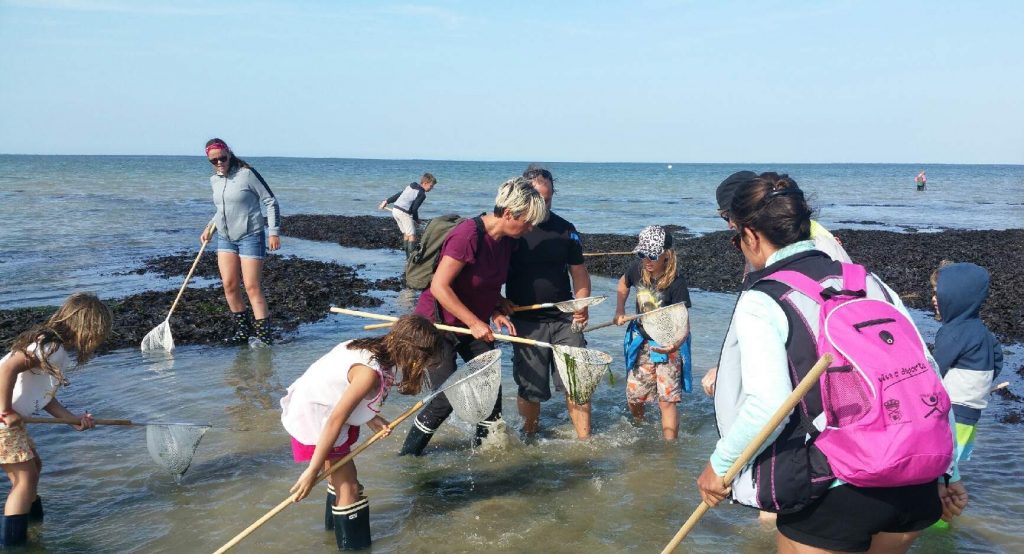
x: 219, y: 160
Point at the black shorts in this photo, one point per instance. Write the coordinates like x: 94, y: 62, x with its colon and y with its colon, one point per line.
x: 533, y: 366
x: 846, y: 517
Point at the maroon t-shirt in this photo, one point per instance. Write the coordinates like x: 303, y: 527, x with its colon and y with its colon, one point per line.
x: 479, y: 283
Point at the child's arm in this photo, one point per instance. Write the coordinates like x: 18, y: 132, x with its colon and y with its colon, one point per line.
x: 362, y: 380
x: 9, y: 370
x: 622, y: 293
x: 56, y: 409
x: 390, y: 200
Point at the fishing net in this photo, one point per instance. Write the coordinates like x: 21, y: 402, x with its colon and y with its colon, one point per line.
x: 581, y: 370
x: 159, y: 338
x: 473, y: 399
x: 578, y: 304
x: 667, y: 326
x: 173, y: 445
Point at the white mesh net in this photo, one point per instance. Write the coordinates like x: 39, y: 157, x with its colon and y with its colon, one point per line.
x: 159, y: 338
x: 473, y: 399
x: 667, y: 326
x: 581, y: 370
x: 579, y: 303
x: 172, y: 446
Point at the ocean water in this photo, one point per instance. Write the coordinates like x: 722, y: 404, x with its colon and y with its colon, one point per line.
x: 80, y: 223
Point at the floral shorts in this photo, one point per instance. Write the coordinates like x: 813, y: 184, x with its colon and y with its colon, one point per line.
x: 15, y: 445
x: 648, y: 378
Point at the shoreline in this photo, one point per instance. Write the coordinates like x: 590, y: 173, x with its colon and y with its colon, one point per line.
x: 904, y: 261
x: 301, y: 290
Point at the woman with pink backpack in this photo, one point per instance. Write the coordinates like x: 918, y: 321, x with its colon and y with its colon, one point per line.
x: 865, y: 461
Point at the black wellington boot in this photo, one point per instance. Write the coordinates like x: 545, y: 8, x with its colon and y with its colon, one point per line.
x: 242, y: 322
x: 328, y: 516
x: 262, y: 331
x: 13, y: 530
x: 35, y: 513
x: 352, y: 525
x: 485, y: 428
x: 416, y: 440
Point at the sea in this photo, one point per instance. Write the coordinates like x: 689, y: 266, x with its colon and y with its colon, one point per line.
x: 74, y: 223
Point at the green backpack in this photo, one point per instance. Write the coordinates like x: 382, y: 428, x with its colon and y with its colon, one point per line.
x: 419, y: 269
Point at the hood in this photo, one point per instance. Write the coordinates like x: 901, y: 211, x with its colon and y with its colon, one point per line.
x: 961, y: 290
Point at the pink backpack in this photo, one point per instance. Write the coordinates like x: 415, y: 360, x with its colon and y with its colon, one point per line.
x: 886, y: 411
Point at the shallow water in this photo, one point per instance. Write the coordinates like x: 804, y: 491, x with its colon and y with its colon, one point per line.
x: 626, y: 489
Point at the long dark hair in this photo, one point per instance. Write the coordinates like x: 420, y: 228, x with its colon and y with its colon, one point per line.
x: 235, y: 162
x: 82, y: 324
x: 774, y: 206
x: 412, y: 345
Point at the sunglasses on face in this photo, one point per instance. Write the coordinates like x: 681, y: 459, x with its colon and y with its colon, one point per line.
x: 724, y: 216
x: 222, y: 159
x: 643, y: 256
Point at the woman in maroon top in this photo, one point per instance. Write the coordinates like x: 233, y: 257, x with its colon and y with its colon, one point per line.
x: 466, y: 291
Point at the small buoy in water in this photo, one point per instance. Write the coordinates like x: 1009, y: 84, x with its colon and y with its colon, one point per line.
x: 670, y: 166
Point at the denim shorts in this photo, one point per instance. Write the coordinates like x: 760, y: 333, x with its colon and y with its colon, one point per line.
x: 250, y: 246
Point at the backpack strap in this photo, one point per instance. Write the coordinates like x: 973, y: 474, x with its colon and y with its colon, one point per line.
x: 799, y: 281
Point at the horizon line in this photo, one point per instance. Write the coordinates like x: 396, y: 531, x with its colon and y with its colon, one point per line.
x: 521, y: 161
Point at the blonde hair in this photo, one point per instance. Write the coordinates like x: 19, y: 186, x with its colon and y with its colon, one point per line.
x: 82, y: 324
x: 412, y: 345
x: 647, y: 277
x: 518, y: 196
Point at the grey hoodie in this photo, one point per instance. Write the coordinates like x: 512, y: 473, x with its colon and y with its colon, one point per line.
x: 238, y: 196
x: 968, y: 354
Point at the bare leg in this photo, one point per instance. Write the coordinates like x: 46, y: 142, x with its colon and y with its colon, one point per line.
x: 638, y: 411
x: 252, y: 275
x: 231, y: 275
x: 892, y: 543
x: 669, y: 420
x: 24, y: 478
x: 530, y: 412
x: 580, y: 416
x: 345, y: 483
x: 786, y: 545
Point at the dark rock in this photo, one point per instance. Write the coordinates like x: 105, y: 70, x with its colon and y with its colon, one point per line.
x: 298, y: 291
x: 1013, y: 416
x: 904, y: 261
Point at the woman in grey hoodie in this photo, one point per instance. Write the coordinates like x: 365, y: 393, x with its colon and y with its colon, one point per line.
x: 238, y: 193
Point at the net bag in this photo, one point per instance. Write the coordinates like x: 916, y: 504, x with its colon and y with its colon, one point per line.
x: 570, y: 306
x: 159, y: 338
x: 473, y: 399
x: 581, y: 370
x: 578, y: 304
x: 667, y: 326
x: 172, y: 446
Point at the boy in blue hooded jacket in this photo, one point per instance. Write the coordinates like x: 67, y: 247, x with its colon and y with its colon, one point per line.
x: 969, y: 355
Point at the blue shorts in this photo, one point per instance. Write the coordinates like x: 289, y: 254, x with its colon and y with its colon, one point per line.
x: 252, y: 246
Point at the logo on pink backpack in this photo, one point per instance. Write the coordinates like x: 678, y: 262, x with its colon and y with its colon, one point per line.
x: 885, y: 409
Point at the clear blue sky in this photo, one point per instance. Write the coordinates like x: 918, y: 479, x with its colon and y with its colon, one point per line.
x: 664, y: 81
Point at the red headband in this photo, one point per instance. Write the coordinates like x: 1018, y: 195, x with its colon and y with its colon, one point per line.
x: 217, y: 146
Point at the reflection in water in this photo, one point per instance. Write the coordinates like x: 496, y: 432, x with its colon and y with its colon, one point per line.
x: 257, y: 388
x: 158, y: 361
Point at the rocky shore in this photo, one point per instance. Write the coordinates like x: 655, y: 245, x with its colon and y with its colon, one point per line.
x: 904, y: 261
x: 299, y: 291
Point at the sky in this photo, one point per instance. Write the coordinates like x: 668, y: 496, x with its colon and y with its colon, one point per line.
x: 641, y: 81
